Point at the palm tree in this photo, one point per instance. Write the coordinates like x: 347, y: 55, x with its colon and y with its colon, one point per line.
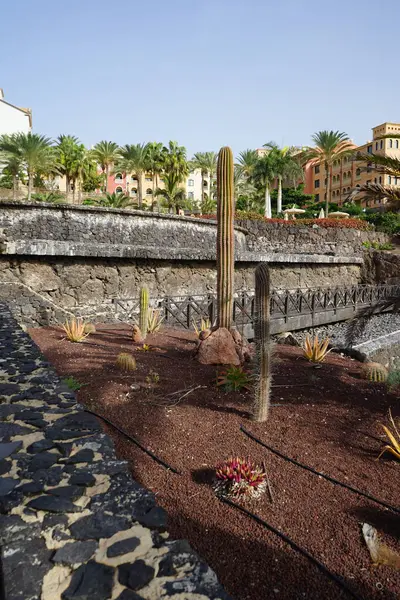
x: 154, y: 165
x: 106, y: 154
x: 286, y: 167
x: 173, y: 194
x: 199, y: 162
x: 329, y: 146
x: 246, y: 161
x: 264, y: 173
x: 35, y: 153
x: 243, y: 187
x: 174, y: 162
x: 134, y: 159
x: 67, y: 151
x: 12, y: 165
x: 114, y: 200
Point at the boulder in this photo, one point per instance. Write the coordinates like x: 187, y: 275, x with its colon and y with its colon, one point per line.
x: 219, y: 348
x: 287, y: 339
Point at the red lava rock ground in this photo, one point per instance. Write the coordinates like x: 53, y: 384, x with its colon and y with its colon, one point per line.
x: 326, y: 417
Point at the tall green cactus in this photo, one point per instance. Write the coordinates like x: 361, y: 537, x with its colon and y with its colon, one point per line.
x: 263, y: 343
x: 144, y: 310
x: 225, y: 237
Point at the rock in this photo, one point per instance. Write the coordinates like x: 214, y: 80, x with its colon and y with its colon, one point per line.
x: 5, y: 466
x: 123, y: 547
x: 40, y: 446
x: 155, y: 518
x: 13, y: 529
x: 137, y: 336
x: 135, y: 576
x: 72, y: 492
x: 75, y: 552
x: 218, y: 349
x: 85, y: 479
x: 98, y: 525
x: 43, y: 460
x: 7, y: 484
x: 81, y: 456
x: 287, y: 339
x: 50, y: 476
x: 53, y: 504
x: 31, y: 488
x: 90, y: 581
x: 25, y: 563
x: 129, y: 595
x: 9, y: 448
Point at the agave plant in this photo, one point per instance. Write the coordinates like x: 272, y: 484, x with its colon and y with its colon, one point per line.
x: 234, y: 379
x: 154, y: 320
x: 204, y: 324
x: 240, y: 478
x: 75, y: 330
x: 394, y: 438
x: 315, y: 350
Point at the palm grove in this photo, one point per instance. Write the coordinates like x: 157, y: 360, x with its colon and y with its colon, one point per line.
x: 260, y: 177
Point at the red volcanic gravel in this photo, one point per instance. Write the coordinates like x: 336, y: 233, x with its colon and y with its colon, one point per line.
x: 326, y: 417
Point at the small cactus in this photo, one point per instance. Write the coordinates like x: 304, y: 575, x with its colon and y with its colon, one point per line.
x: 126, y: 361
x: 263, y: 344
x: 144, y: 311
x: 240, y: 478
x: 375, y: 372
x: 225, y: 237
x: 89, y: 328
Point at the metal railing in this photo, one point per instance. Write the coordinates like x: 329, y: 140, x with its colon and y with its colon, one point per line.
x: 344, y: 301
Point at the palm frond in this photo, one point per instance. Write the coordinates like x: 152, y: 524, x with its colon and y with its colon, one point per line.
x: 376, y: 191
x: 384, y: 164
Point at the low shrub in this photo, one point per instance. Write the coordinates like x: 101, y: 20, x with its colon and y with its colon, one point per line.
x: 359, y: 224
x: 240, y: 478
x: 234, y: 379
x: 73, y: 383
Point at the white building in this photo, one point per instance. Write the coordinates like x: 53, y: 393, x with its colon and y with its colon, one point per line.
x: 14, y: 119
x: 193, y: 185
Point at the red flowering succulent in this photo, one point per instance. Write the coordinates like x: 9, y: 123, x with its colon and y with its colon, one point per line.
x: 240, y: 478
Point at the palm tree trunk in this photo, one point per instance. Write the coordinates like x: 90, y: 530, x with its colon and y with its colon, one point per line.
x: 210, y: 186
x: 267, y: 210
x: 107, y: 173
x: 279, y: 204
x: 30, y: 178
x: 15, y: 187
x: 74, y: 190
x: 327, y: 190
x: 152, y: 195
x: 140, y: 191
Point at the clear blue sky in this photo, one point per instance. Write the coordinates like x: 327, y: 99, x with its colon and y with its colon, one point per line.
x: 203, y: 72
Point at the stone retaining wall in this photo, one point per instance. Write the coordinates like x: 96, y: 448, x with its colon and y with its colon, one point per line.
x: 263, y: 237
x: 39, y: 290
x: 73, y: 523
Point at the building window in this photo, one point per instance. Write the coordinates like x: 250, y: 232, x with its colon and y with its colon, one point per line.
x: 380, y: 179
x: 375, y: 180
x: 133, y: 192
x: 390, y: 143
x: 369, y: 167
x: 316, y: 169
x: 369, y: 149
x: 191, y: 195
x: 381, y: 144
x: 389, y: 179
x: 190, y: 182
x: 316, y: 197
x: 376, y: 146
x: 397, y: 143
x: 149, y: 192
x: 118, y: 177
x: 358, y: 172
x: 316, y: 183
x: 149, y: 179
x: 134, y: 179
x: 118, y: 190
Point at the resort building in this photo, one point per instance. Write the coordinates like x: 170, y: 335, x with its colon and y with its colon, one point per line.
x: 14, y: 119
x: 348, y: 174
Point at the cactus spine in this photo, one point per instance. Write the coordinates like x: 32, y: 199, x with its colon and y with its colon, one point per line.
x: 126, y: 362
x: 144, y: 311
x: 263, y: 343
x: 225, y: 237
